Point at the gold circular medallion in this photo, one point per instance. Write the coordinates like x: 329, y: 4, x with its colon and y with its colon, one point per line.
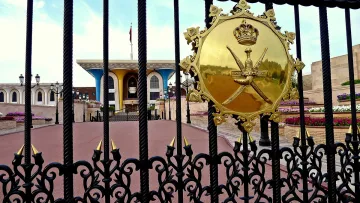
x: 241, y: 63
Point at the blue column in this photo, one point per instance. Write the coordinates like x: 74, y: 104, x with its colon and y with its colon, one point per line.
x: 97, y: 74
x: 165, y: 73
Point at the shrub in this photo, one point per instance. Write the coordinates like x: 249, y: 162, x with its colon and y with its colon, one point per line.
x: 348, y: 82
x: 320, y: 121
x: 111, y: 108
x: 344, y: 97
x: 6, y: 118
x: 48, y: 119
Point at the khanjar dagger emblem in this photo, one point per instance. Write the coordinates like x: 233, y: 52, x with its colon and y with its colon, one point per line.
x: 241, y: 63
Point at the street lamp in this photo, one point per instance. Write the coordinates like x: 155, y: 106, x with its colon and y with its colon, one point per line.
x: 168, y: 93
x: 85, y: 99
x: 74, y: 96
x: 56, y: 91
x: 187, y: 84
x: 164, y: 112
x: 37, y: 79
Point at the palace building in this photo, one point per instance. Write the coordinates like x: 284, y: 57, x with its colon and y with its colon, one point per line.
x: 123, y: 80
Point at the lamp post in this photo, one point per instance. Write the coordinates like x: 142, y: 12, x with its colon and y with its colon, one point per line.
x: 73, y: 107
x: 187, y: 84
x: 37, y: 79
x: 55, y: 89
x: 168, y: 93
x: 85, y: 99
x: 164, y: 112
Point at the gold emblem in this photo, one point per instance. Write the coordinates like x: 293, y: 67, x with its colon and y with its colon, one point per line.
x: 241, y: 63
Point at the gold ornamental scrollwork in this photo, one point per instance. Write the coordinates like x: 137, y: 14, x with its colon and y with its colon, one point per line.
x: 242, y: 64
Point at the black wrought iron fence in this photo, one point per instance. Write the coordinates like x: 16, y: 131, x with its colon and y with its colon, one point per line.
x: 181, y: 174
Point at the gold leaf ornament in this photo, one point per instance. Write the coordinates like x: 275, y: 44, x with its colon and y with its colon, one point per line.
x: 219, y: 119
x: 248, y: 126
x: 299, y: 65
x: 194, y: 96
x: 275, y: 117
x: 191, y: 34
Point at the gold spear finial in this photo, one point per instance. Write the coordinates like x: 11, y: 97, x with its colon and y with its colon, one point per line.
x: 350, y: 129
x: 307, y: 133
x: 298, y: 134
x: 185, y: 141
x: 240, y: 139
x: 99, y: 146
x: 172, y: 142
x: 113, y: 146
x: 20, y: 150
x: 35, y: 151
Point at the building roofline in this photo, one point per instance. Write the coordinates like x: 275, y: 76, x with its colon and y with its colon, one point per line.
x: 125, y: 64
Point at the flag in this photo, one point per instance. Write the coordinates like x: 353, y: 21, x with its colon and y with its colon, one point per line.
x: 130, y: 33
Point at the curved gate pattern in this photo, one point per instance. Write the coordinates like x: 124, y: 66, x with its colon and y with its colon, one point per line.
x: 108, y: 178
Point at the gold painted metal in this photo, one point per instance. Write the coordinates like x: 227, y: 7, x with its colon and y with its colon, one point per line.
x: 185, y: 141
x: 35, y: 151
x: 240, y: 139
x: 350, y: 130
x: 98, y: 148
x: 21, y: 150
x: 298, y: 134
x: 242, y: 64
x: 251, y: 138
x: 113, y: 146
x: 172, y: 142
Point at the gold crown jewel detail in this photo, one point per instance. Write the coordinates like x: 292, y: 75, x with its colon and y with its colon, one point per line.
x: 246, y: 34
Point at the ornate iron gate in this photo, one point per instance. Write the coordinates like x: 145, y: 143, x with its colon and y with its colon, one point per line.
x: 181, y: 173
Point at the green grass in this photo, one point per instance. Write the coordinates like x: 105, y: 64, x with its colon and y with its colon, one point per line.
x: 348, y: 82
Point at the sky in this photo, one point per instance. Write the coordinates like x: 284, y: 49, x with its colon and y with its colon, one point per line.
x: 88, y: 25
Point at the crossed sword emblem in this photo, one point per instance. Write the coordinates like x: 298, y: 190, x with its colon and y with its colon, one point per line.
x: 249, y: 71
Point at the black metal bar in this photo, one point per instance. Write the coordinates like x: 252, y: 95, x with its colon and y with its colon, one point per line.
x: 245, y: 167
x: 188, y: 119
x: 28, y: 115
x: 326, y: 69
x: 28, y: 61
x: 353, y: 105
x: 212, y: 130
x: 275, y: 145
x: 180, y: 173
x: 303, y: 147
x: 264, y: 128
x: 68, y: 100
x: 143, y: 123
x: 107, y: 178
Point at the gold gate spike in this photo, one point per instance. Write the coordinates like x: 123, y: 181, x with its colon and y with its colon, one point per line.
x: 113, y: 146
x: 224, y: 69
x: 172, y: 142
x: 20, y: 152
x: 35, y: 151
x: 185, y: 141
x: 99, y: 146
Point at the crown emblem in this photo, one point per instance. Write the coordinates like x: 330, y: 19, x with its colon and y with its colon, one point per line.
x: 246, y: 34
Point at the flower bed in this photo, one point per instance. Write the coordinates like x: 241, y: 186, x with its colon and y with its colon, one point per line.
x: 336, y: 109
x: 6, y: 118
x: 346, y: 97
x: 17, y: 114
x: 320, y: 121
x: 296, y: 103
x: 1, y: 114
x: 291, y: 110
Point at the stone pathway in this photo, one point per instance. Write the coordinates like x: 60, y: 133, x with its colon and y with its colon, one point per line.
x: 21, y: 129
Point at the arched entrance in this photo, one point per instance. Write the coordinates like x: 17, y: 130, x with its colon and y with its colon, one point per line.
x: 131, y: 92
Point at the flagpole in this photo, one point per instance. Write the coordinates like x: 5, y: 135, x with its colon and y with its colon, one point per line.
x: 131, y: 44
